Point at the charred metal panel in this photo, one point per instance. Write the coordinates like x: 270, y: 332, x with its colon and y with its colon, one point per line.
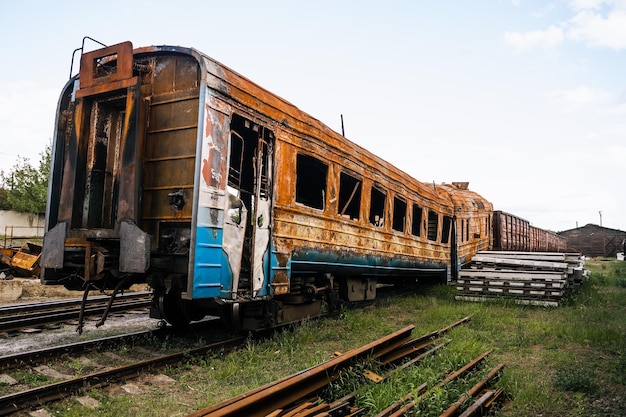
x: 111, y: 65
x: 134, y: 248
x: 53, y: 248
x: 128, y: 198
x: 170, y: 147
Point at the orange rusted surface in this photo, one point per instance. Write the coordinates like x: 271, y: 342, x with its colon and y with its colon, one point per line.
x: 25, y: 262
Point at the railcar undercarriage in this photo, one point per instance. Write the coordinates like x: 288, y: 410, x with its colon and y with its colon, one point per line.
x: 310, y: 297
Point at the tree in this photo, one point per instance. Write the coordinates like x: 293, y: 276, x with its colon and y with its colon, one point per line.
x: 4, y: 199
x: 27, y: 186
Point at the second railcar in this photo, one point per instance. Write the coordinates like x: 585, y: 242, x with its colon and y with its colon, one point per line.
x: 170, y: 168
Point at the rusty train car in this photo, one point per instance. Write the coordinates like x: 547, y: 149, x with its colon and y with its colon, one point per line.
x: 172, y: 169
x: 512, y: 233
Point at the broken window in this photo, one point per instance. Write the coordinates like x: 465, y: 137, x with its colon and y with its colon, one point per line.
x: 447, y: 227
x: 433, y: 223
x: 377, y: 207
x: 399, y: 214
x: 467, y: 229
x: 349, y: 196
x: 416, y: 224
x: 311, y: 175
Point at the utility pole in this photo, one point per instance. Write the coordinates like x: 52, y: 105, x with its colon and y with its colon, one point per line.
x: 600, y: 212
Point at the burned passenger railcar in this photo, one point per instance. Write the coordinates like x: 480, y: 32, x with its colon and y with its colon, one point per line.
x: 170, y: 168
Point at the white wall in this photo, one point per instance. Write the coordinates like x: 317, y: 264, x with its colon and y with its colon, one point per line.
x: 21, y: 224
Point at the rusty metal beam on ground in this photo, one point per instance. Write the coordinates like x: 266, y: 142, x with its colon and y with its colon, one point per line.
x: 410, y: 405
x: 264, y: 400
x: 472, y: 392
x: 486, y: 399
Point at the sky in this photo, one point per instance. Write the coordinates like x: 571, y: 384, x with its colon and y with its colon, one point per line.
x: 526, y: 100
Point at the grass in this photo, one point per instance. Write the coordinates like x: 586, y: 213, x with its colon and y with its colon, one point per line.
x: 564, y: 361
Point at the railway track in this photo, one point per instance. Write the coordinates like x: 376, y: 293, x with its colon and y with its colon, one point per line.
x: 296, y: 395
x: 66, y: 385
x: 22, y: 316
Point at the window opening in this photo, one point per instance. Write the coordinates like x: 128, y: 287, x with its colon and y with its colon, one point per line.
x: 463, y: 227
x: 447, y: 227
x: 377, y: 207
x: 433, y: 223
x: 311, y: 177
x: 467, y: 229
x: 236, y: 160
x: 416, y: 223
x: 349, y: 196
x: 399, y: 214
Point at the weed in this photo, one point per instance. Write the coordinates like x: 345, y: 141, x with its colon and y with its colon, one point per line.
x: 576, y: 379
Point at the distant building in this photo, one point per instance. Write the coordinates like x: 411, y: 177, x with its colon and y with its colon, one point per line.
x: 594, y: 240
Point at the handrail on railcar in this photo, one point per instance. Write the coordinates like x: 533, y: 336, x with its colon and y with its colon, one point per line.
x: 82, y: 48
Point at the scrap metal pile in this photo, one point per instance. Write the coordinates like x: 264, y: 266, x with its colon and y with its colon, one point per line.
x: 20, y: 262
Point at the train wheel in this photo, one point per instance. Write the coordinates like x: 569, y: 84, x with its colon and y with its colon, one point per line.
x: 175, y: 310
x: 230, y: 315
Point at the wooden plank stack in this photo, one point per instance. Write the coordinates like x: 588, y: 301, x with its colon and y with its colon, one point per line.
x: 539, y: 278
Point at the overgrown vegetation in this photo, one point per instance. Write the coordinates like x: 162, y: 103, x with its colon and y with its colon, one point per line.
x: 25, y: 187
x: 565, y: 361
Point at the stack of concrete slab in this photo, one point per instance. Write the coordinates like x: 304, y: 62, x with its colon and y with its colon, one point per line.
x: 541, y: 278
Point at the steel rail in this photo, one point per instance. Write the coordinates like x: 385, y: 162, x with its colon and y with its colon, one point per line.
x: 37, y: 356
x: 419, y: 343
x: 403, y: 407
x: 15, y: 402
x: 52, y: 305
x: 477, y: 388
x: 267, y: 399
x: 33, y: 356
x: 13, y: 323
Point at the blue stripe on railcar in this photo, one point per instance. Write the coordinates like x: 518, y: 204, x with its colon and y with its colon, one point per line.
x: 211, y: 276
x: 314, y: 261
x: 211, y: 271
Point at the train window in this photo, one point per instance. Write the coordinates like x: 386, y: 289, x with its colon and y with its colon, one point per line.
x: 416, y: 224
x: 377, y: 207
x: 433, y: 223
x: 311, y: 174
x: 462, y: 234
x: 235, y: 166
x: 399, y: 214
x: 349, y: 196
x: 467, y: 227
x: 447, y: 227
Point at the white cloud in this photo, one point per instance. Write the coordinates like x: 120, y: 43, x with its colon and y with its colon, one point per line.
x: 575, y: 99
x: 596, y: 23
x: 588, y: 4
x: 548, y: 38
x: 597, y: 30
x: 617, y: 110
